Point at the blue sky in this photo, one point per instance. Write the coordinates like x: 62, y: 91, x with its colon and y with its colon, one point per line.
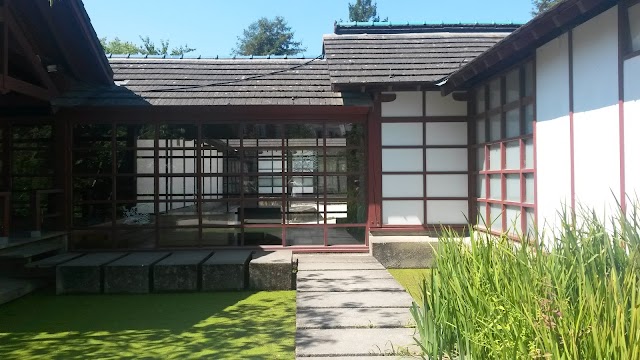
x: 213, y: 26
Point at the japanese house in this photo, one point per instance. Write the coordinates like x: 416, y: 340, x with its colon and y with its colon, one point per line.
x: 395, y: 128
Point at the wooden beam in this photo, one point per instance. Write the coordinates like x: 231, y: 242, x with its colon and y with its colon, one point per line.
x: 25, y: 88
x: 5, y: 46
x: 31, y: 54
x: 387, y: 97
x: 45, y: 11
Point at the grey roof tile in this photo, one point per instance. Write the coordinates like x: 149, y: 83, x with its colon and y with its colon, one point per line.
x: 166, y: 82
x: 361, y: 59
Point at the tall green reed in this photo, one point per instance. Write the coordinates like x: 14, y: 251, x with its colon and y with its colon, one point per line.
x: 575, y: 297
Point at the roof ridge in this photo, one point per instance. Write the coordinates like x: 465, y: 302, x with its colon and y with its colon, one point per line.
x: 419, y: 27
x: 200, y: 57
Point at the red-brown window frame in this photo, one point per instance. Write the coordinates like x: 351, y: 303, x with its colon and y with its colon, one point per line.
x: 114, y: 228
x: 502, y: 109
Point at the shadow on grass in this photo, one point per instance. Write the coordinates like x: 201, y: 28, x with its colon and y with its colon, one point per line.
x: 226, y: 325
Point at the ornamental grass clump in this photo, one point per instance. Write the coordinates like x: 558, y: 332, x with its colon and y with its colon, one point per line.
x: 573, y: 295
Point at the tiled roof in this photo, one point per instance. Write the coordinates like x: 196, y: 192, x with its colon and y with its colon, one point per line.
x: 393, y: 54
x: 159, y: 81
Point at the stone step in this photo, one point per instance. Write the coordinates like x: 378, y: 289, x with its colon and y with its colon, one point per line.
x: 131, y: 274
x: 404, y: 252
x: 338, y: 258
x: 84, y: 274
x: 355, y: 342
x: 335, y: 318
x: 11, y: 289
x: 351, y: 274
x: 329, y: 266
x: 365, y: 299
x: 340, y: 285
x: 32, y: 250
x: 179, y: 271
x: 53, y: 261
x: 226, y: 270
x: 271, y: 271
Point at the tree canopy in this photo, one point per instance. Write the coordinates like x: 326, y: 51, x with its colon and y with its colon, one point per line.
x: 543, y: 5
x: 148, y: 47
x: 268, y: 37
x: 363, y: 11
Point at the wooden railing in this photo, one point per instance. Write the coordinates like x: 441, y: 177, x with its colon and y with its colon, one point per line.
x: 5, y: 199
x: 40, y: 214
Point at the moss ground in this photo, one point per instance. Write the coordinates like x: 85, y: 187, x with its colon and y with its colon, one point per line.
x: 411, y: 279
x: 229, y: 325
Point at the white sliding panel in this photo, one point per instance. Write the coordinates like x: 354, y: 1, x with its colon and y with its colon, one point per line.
x: 408, y: 212
x: 446, y: 133
x: 453, y: 212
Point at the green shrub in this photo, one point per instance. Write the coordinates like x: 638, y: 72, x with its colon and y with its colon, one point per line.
x: 574, y: 298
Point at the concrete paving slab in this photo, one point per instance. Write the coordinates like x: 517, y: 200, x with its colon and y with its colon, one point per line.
x: 347, y: 274
x: 355, y: 342
x: 365, y: 299
x: 335, y: 318
x: 313, y: 266
x: 339, y: 258
x: 339, y: 285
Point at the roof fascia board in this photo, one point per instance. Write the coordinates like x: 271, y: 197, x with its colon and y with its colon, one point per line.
x: 224, y: 112
x: 382, y: 87
x: 522, y: 43
x: 89, y: 33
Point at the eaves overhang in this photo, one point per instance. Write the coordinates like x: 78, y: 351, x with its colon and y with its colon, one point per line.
x: 522, y: 43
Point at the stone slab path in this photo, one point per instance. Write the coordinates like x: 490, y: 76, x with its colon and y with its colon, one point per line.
x: 350, y: 307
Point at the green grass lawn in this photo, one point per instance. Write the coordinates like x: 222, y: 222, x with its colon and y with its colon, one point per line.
x: 228, y: 325
x: 411, y: 279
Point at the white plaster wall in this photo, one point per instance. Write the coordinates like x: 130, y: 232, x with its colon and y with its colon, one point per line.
x: 632, y: 128
x: 438, y: 105
x: 408, y: 103
x: 553, y: 148
x: 596, y: 121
